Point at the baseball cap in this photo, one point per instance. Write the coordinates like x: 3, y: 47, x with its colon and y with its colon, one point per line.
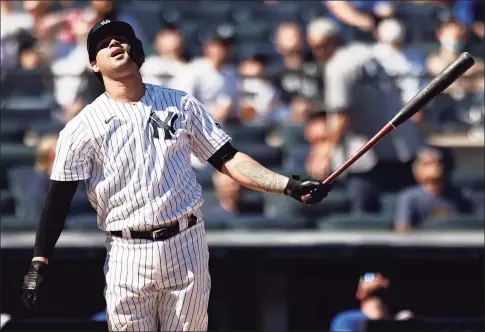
x: 105, y: 29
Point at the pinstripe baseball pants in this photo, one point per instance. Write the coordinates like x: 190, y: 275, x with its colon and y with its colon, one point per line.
x: 154, y: 285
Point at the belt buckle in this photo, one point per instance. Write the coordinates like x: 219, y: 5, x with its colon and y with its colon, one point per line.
x: 155, y: 234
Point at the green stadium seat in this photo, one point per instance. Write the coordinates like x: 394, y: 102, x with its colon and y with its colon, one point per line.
x: 456, y: 223
x: 260, y: 222
x: 388, y: 204
x: 14, y: 154
x: 468, y: 178
x: 246, y: 133
x: 7, y: 204
x: 256, y: 31
x: 282, y: 206
x: 85, y: 221
x: 11, y: 223
x: 292, y: 135
x: 361, y: 222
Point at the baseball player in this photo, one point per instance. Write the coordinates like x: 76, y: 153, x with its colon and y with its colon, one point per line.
x: 132, y: 147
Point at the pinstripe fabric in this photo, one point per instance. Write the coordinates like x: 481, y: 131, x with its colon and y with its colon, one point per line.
x: 135, y: 180
x: 135, y: 160
x: 165, y: 283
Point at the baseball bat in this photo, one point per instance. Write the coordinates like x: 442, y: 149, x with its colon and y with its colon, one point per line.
x: 443, y: 80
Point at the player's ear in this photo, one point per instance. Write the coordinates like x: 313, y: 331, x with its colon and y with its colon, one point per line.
x: 95, y: 67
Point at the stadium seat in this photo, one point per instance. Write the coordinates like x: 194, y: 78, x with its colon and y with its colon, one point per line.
x: 11, y: 131
x: 282, y: 206
x: 7, y: 204
x: 246, y: 133
x: 14, y: 154
x: 267, y: 156
x: 456, y: 223
x: 204, y: 177
x: 24, y: 83
x: 388, y: 203
x: 86, y: 221
x: 292, y: 135
x: 469, y: 179
x: 260, y: 222
x: 254, y: 32
x: 12, y: 223
x: 361, y: 222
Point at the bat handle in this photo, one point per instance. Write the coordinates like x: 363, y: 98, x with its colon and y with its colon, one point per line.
x: 359, y: 153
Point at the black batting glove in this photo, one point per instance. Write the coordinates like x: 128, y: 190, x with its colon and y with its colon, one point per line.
x: 31, y: 284
x: 316, y: 189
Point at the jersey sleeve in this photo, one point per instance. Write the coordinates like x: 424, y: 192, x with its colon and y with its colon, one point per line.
x: 73, y: 160
x: 208, y: 137
x: 338, y: 87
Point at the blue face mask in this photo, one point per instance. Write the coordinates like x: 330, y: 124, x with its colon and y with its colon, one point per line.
x: 452, y: 45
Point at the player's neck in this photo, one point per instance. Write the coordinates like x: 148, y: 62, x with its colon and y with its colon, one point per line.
x: 127, y: 90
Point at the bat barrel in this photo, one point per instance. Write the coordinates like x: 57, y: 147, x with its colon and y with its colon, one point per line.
x: 442, y: 81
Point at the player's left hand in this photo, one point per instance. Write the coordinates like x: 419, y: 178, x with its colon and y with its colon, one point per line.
x: 309, y: 191
x: 32, y: 281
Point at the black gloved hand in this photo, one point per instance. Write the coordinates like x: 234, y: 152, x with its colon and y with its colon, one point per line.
x: 317, y: 190
x: 31, y: 284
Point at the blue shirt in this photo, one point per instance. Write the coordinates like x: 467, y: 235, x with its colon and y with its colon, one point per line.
x: 348, y: 321
x: 414, y: 205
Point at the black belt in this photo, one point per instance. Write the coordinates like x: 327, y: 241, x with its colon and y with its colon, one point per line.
x: 159, y: 234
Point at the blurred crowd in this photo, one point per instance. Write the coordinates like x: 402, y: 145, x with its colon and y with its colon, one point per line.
x: 267, y: 72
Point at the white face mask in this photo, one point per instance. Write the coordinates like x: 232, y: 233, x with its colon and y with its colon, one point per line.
x: 452, y: 45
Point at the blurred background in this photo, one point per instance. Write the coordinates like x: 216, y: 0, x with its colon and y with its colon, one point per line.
x: 412, y: 228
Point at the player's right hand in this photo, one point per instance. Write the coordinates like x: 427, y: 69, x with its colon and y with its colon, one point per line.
x: 310, y: 191
x: 31, y: 284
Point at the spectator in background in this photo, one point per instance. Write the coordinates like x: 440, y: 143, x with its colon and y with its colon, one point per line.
x: 300, y: 76
x: 68, y: 69
x: 213, y: 81
x: 360, y: 97
x: 434, y: 197
x: 453, y: 37
x: 15, y: 27
x: 260, y: 103
x: 373, y: 295
x: 360, y: 17
x: 162, y: 67
x: 405, y: 64
x: 229, y: 194
x: 29, y: 186
x: 96, y: 11
x: 300, y: 110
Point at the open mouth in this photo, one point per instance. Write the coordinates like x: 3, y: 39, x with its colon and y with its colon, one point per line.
x: 117, y: 52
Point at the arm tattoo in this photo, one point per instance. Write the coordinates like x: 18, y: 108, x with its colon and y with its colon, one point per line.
x: 264, y: 179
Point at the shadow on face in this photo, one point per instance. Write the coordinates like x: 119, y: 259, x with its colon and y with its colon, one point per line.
x: 428, y: 167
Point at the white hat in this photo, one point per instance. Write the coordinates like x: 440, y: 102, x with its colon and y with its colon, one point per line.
x: 391, y: 30
x: 322, y: 27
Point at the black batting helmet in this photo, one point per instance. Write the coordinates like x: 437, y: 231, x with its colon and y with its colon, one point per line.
x: 109, y: 28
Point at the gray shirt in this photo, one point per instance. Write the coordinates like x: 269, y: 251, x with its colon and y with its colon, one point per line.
x: 357, y: 84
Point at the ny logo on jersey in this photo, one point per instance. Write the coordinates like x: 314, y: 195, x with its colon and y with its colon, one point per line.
x: 156, y: 123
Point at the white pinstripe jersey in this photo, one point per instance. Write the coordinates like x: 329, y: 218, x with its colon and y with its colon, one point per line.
x: 135, y: 158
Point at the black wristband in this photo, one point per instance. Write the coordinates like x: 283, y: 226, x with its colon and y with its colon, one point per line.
x: 289, y: 186
x: 37, y: 266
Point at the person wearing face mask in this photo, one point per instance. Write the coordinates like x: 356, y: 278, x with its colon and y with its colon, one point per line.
x: 260, y: 103
x: 453, y: 37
